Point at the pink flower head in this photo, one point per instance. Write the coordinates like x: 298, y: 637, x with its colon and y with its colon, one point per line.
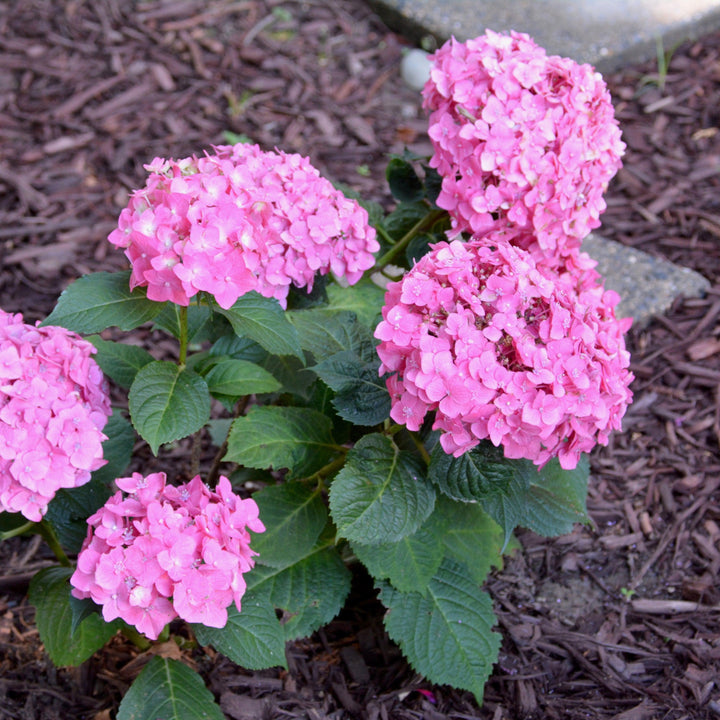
x: 54, y: 405
x: 155, y: 552
x: 240, y: 220
x: 501, y: 348
x: 521, y: 139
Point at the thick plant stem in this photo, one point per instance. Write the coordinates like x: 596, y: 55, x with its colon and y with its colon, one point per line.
x: 423, y: 224
x: 48, y: 533
x: 29, y: 525
x: 136, y: 638
x: 183, y: 336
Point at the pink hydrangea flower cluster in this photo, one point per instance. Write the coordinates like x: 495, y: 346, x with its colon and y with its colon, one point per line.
x: 239, y: 220
x: 54, y: 405
x: 522, y: 139
x: 501, y: 348
x: 155, y: 552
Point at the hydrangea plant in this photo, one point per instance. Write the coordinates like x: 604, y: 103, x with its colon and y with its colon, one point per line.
x: 402, y: 390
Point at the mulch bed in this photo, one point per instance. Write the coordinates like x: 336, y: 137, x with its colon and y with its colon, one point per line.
x: 620, y: 619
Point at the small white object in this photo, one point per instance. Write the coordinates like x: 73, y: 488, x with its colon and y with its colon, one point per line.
x: 415, y: 68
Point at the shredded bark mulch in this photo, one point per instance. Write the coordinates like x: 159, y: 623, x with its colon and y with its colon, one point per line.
x: 620, y: 619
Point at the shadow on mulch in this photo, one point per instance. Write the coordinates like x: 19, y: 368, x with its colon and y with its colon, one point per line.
x: 620, y: 619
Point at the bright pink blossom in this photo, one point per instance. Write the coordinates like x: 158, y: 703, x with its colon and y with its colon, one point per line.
x: 240, y: 220
x: 155, y: 552
x: 54, y: 405
x: 501, y: 348
x: 522, y: 139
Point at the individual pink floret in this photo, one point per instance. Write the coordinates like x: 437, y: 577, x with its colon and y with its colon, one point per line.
x: 238, y: 220
x: 54, y: 405
x: 155, y: 552
x: 502, y: 349
x: 521, y: 139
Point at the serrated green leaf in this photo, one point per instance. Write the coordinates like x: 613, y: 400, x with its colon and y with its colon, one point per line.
x: 361, y: 396
x: 418, y: 246
x: 298, y: 439
x: 325, y: 332
x: 310, y: 593
x: 168, y: 689
x: 471, y: 537
x: 365, y: 299
x: 50, y: 594
x: 445, y: 634
x: 252, y: 638
x: 556, y: 498
x: 405, y: 185
x: 100, y: 300
x: 120, y: 362
x: 117, y: 449
x: 167, y: 403
x: 294, y: 516
x: 237, y: 378
x: 238, y: 348
x: 408, y: 563
x: 263, y: 320
x: 381, y: 495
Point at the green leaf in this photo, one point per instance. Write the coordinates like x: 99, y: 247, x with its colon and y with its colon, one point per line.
x: 238, y: 348
x: 50, y: 594
x: 471, y: 537
x: 252, y: 638
x: 381, y: 494
x: 120, y: 362
x: 236, y: 378
x: 361, y: 396
x: 325, y: 332
x: 117, y: 449
x: 167, y: 403
x: 168, y: 689
x: 557, y: 498
x: 408, y: 563
x: 263, y: 320
x: 98, y: 301
x: 405, y: 185
x: 295, y: 378
x: 310, y: 593
x: 365, y: 299
x: 298, y: 439
x: 446, y: 634
x: 294, y: 516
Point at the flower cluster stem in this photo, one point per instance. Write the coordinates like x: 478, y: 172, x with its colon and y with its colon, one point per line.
x: 183, y: 336
x: 48, y: 533
x: 423, y: 224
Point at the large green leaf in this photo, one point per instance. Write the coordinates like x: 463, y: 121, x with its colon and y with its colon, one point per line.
x: 237, y: 378
x: 168, y: 689
x: 167, y: 403
x: 324, y: 332
x: 50, y: 594
x: 410, y: 562
x: 365, y: 299
x: 405, y: 185
x: 446, y: 634
x: 381, y: 495
x: 298, y: 439
x: 99, y: 301
x: 361, y: 396
x: 294, y: 516
x: 263, y: 320
x: 309, y: 593
x: 120, y: 362
x: 252, y: 638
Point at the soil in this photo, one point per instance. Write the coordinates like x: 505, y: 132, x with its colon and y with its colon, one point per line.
x: 621, y: 618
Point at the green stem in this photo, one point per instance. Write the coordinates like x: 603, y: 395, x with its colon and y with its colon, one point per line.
x: 136, y: 638
x: 48, y: 533
x: 430, y: 219
x: 328, y: 469
x: 183, y: 335
x: 421, y: 447
x: 17, y: 531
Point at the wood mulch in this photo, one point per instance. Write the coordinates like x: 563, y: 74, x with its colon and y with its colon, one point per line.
x: 620, y: 619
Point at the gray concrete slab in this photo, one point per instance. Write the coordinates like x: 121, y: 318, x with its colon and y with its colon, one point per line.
x: 604, y: 33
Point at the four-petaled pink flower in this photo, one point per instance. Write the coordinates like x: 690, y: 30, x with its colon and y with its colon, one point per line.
x: 501, y: 348
x: 239, y: 220
x: 155, y: 552
x: 54, y: 405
